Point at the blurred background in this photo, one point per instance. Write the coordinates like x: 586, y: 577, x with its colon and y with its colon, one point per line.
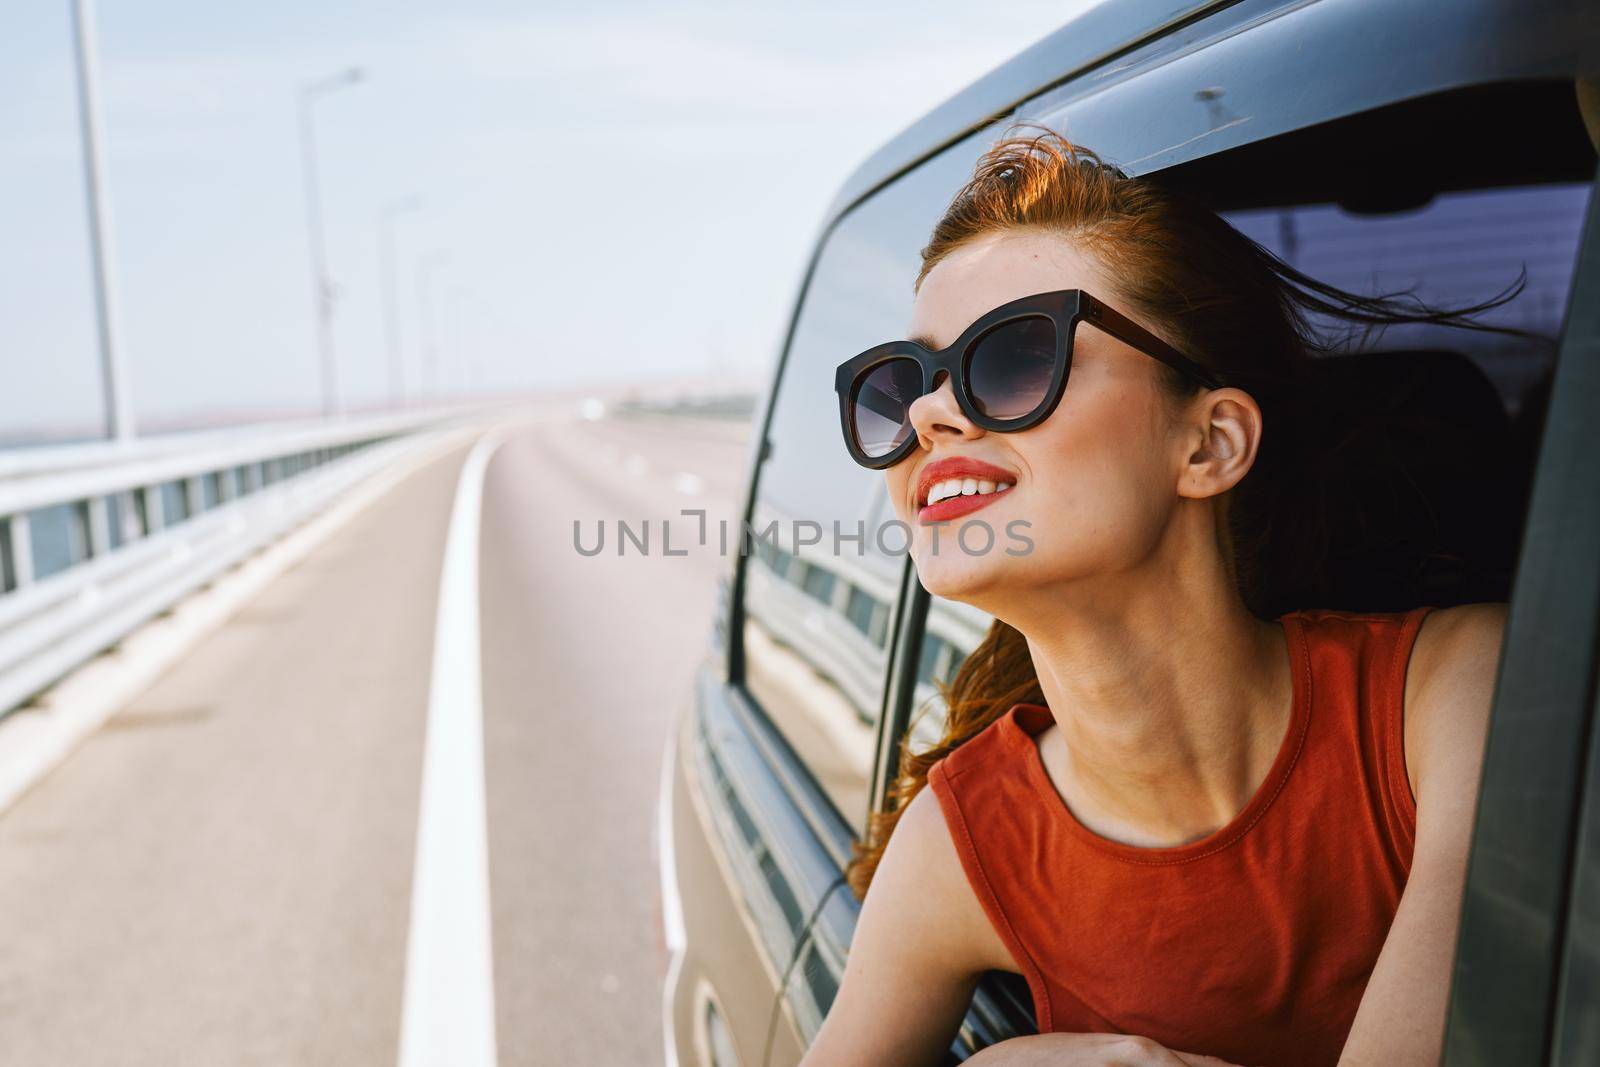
x: 325, y: 328
x: 496, y: 181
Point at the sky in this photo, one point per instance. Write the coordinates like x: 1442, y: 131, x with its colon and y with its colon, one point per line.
x: 608, y: 192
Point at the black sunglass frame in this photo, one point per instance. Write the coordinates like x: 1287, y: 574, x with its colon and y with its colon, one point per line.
x: 1065, y: 308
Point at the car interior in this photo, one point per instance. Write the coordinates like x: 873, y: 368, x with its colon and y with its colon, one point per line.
x: 1431, y: 451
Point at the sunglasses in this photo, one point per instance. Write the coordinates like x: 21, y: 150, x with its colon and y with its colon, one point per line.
x: 1008, y: 371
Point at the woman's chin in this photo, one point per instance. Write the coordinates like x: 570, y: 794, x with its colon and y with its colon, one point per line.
x: 956, y: 578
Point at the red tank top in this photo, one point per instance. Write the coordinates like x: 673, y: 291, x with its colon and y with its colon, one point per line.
x: 1253, y: 943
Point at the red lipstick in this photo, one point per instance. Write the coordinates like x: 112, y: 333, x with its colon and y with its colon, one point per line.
x: 958, y: 467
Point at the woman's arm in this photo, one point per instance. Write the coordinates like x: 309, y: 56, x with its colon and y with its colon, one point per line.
x: 920, y: 944
x: 1089, y: 1050
x: 1449, y: 689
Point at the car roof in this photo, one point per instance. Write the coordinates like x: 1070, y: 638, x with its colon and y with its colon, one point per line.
x: 1464, y: 42
x: 1093, y: 37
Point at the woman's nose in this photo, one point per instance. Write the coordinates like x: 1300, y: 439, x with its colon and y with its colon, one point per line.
x: 936, y: 416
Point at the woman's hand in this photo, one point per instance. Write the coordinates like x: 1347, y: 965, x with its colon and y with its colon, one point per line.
x: 1089, y: 1050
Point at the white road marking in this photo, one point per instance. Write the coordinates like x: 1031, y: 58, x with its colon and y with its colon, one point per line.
x: 672, y: 922
x: 448, y: 1016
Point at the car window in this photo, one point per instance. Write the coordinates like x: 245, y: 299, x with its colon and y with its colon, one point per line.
x: 822, y: 579
x: 1459, y: 248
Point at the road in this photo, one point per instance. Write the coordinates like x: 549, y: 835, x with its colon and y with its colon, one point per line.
x: 222, y: 874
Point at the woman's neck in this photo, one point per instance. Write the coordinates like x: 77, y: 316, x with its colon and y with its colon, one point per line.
x: 1171, y: 705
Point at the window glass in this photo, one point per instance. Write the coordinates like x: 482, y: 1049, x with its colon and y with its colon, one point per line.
x: 1459, y: 248
x: 932, y: 664
x: 953, y: 631
x: 819, y: 583
x: 860, y: 609
x: 824, y: 572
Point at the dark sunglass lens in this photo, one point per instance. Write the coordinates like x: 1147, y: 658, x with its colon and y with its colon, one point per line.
x: 881, y: 405
x: 1009, y: 372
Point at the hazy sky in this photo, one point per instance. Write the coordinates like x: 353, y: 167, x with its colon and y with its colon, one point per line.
x: 610, y: 190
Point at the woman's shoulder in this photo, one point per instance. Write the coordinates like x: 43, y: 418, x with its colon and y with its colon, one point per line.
x: 1449, y: 685
x: 929, y: 850
x: 1438, y: 662
x: 984, y: 813
x: 994, y: 747
x: 1453, y: 638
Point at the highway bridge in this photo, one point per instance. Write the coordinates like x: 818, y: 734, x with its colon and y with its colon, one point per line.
x: 322, y: 743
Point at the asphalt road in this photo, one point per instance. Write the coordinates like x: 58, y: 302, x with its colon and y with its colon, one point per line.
x: 222, y: 874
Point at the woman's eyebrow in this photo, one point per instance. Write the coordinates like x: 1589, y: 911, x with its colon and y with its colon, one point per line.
x: 925, y: 341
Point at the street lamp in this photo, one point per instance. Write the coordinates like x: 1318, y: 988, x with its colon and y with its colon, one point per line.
x: 321, y: 285
x: 391, y: 313
x: 430, y: 264
x: 113, y: 375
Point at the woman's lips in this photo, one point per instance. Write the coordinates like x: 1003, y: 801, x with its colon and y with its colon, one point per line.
x: 957, y: 506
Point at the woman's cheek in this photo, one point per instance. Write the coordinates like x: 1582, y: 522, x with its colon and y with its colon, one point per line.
x: 898, y: 489
x: 1074, y: 521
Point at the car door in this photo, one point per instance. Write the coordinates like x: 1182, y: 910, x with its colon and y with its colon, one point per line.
x: 1527, y: 975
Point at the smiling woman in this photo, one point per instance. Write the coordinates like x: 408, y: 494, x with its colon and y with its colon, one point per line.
x: 1134, y: 806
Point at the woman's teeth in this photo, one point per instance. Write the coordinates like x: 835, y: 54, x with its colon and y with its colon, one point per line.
x: 964, y: 487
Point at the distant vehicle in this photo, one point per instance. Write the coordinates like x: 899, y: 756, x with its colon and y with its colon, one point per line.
x: 1375, y: 146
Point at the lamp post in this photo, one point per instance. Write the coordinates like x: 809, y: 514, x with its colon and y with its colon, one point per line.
x: 391, y: 282
x: 430, y: 264
x: 321, y: 285
x: 114, y: 382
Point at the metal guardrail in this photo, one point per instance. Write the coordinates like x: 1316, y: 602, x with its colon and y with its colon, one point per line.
x: 95, y: 539
x: 722, y: 404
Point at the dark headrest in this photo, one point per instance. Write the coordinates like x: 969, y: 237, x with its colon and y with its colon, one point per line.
x: 1425, y: 485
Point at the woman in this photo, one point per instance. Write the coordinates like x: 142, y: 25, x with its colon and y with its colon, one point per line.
x: 1199, y: 824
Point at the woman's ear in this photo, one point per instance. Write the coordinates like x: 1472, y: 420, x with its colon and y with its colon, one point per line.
x: 1222, y: 433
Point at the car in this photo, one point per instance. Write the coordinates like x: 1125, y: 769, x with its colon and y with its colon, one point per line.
x: 1446, y: 147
